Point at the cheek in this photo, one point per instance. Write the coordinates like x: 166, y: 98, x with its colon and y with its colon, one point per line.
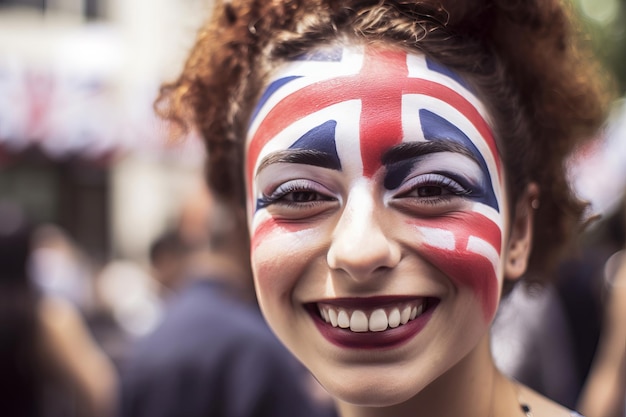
x: 273, y: 242
x: 266, y: 227
x: 466, y: 248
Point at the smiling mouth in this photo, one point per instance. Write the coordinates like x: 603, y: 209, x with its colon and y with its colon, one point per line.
x: 376, y: 320
x: 372, y: 323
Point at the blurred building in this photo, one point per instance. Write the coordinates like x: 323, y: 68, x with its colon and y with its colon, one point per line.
x: 79, y: 144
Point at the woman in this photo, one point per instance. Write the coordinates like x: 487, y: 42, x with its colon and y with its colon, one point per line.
x: 396, y: 161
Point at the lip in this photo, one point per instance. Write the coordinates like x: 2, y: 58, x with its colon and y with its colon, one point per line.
x: 388, y: 339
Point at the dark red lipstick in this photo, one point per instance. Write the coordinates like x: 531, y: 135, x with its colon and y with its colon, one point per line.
x: 387, y: 339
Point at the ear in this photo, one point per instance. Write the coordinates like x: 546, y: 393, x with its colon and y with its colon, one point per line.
x: 521, y: 233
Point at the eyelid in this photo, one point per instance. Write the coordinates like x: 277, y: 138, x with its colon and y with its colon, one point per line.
x: 433, y: 178
x: 298, y: 184
x: 276, y: 174
x: 278, y: 195
x: 283, y: 199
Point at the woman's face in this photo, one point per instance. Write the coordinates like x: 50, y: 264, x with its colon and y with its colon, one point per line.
x: 377, y: 215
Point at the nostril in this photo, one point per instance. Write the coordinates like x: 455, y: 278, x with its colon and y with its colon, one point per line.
x: 382, y: 269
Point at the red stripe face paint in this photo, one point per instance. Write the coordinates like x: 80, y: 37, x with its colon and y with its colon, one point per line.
x: 466, y: 247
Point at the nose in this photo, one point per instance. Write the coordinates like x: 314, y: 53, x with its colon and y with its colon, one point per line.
x: 360, y: 244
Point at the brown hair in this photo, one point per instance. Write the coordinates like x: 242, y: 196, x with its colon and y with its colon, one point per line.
x: 544, y: 91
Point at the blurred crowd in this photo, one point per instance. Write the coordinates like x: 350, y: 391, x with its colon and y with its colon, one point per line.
x: 178, y: 336
x: 183, y: 336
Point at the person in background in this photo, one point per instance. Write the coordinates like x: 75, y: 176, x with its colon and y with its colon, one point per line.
x: 532, y: 343
x: 50, y: 365
x: 212, y: 354
x: 60, y: 268
x: 604, y: 393
x: 168, y: 258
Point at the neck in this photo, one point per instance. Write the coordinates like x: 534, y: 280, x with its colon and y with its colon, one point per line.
x: 471, y: 388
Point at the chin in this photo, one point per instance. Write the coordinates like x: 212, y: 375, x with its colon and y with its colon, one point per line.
x: 370, y: 392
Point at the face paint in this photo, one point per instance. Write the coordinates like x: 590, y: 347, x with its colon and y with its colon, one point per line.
x: 466, y: 248
x: 373, y: 179
x: 381, y: 81
x: 381, y: 84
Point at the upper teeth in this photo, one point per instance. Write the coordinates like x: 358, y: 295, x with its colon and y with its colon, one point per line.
x: 377, y: 320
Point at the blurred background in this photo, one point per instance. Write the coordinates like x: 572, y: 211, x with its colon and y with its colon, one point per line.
x: 83, y: 155
x: 80, y: 148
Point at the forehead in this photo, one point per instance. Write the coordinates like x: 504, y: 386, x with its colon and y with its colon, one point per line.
x: 373, y: 96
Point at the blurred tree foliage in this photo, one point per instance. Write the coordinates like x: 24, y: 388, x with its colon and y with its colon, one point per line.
x: 606, y: 23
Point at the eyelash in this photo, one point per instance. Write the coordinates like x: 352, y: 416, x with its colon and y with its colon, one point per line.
x: 283, y: 195
x: 449, y: 185
x: 279, y: 195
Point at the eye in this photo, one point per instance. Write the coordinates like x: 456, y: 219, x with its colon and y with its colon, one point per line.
x: 297, y: 199
x: 302, y: 196
x: 429, y: 191
x: 297, y: 191
x: 432, y: 192
x: 431, y: 185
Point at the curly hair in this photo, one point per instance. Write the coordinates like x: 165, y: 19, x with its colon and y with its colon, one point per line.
x: 526, y: 59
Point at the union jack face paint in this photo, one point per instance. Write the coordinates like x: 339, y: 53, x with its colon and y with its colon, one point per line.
x: 374, y: 185
x: 364, y: 101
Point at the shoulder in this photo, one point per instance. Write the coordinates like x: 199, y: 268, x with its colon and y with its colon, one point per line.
x: 201, y: 325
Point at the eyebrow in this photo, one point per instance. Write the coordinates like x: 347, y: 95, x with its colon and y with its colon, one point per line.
x: 300, y: 156
x: 411, y: 150
x: 399, y: 160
